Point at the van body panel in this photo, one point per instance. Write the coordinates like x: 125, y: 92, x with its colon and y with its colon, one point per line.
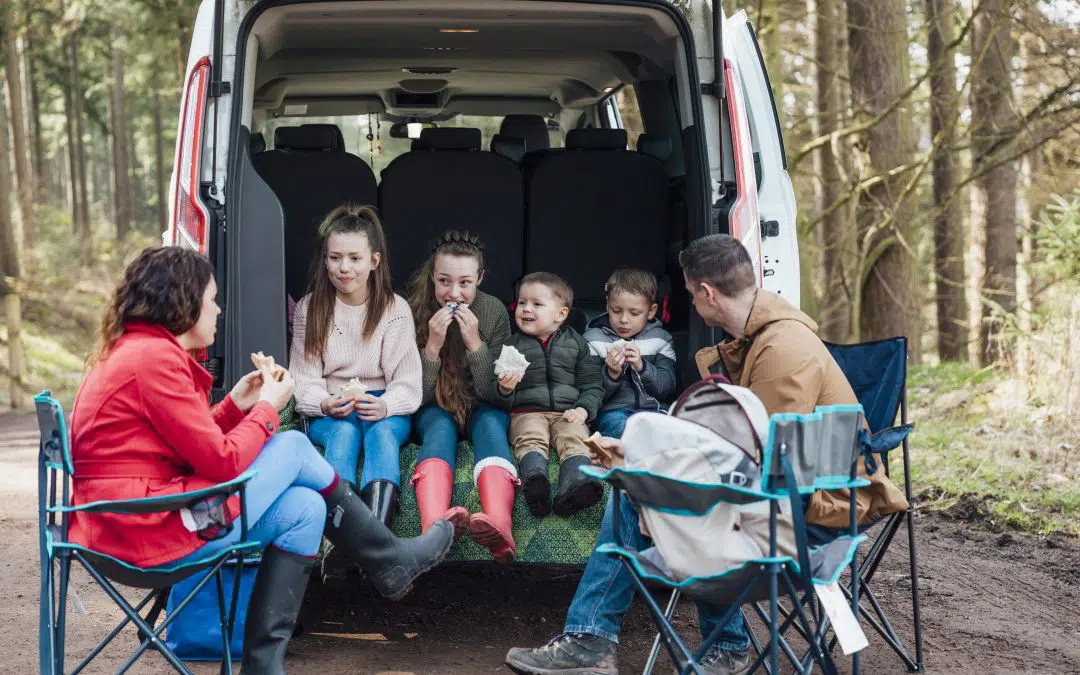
x: 776, y: 195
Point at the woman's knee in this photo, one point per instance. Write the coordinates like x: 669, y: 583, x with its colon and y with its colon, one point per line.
x: 387, y: 433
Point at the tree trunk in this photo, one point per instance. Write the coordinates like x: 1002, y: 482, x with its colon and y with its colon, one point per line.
x: 72, y: 150
x: 24, y: 175
x: 121, y: 166
x: 9, y: 275
x: 159, y: 166
x: 80, y: 145
x: 835, y: 239
x: 991, y: 127
x: 42, y: 184
x: 952, y: 334
x: 886, y: 293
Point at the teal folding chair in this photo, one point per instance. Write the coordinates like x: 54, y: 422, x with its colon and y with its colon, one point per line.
x: 804, y: 453
x: 55, y: 470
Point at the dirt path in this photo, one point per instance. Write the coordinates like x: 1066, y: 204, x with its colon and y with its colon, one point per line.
x: 991, y: 604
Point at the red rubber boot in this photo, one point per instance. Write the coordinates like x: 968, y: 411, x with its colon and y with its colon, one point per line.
x: 433, y: 480
x: 492, y: 528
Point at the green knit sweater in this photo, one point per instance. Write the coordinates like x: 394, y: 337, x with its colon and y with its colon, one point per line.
x: 494, y: 330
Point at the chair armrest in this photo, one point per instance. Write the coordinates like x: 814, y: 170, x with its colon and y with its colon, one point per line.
x: 164, y: 503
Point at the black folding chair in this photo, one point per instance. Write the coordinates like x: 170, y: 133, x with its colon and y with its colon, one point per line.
x: 55, y: 470
x: 877, y: 372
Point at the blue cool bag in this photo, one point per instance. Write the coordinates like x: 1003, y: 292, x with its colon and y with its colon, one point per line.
x: 196, y: 633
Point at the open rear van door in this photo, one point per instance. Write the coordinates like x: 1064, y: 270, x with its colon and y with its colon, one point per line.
x: 776, y: 196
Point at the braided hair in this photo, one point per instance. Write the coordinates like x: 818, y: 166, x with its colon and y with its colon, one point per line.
x: 452, y: 392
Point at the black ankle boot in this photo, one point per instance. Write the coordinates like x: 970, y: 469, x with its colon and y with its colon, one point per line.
x: 391, y: 562
x: 533, y: 471
x: 576, y: 490
x: 381, y: 496
x: 272, y: 610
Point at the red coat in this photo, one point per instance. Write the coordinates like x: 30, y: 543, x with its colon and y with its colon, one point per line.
x: 142, y: 427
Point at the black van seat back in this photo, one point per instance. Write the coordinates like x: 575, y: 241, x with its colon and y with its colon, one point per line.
x: 454, y: 185
x: 531, y: 128
x: 311, y: 176
x: 595, y: 207
x: 655, y: 145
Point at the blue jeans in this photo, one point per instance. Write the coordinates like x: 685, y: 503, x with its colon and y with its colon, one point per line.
x: 284, y: 507
x: 437, y: 431
x: 343, y: 440
x: 611, y: 423
x: 606, y: 590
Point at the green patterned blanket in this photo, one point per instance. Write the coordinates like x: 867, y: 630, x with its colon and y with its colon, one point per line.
x: 547, y: 541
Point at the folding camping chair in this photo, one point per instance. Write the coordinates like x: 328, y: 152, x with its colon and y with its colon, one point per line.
x: 804, y: 453
x: 55, y: 470
x: 877, y: 372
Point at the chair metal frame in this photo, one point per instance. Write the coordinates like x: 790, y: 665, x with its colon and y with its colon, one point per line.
x: 55, y: 471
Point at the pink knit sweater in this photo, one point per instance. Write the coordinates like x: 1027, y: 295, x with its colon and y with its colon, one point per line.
x: 388, y: 360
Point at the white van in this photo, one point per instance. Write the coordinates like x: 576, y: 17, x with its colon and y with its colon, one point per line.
x: 509, y: 118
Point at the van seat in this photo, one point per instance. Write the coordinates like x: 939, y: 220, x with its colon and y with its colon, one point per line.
x: 594, y: 207
x: 449, y: 183
x: 311, y: 175
x: 532, y: 128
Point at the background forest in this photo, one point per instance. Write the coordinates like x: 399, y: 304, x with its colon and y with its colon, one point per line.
x: 934, y: 146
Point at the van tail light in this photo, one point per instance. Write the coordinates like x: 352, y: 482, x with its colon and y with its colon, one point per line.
x: 189, y: 213
x: 743, y: 217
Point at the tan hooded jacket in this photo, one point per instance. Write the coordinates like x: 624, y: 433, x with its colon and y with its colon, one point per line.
x: 782, y: 360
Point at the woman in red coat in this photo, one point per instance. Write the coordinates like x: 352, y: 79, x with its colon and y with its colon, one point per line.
x: 141, y: 427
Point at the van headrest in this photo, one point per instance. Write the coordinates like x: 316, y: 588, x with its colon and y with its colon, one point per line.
x: 451, y: 138
x: 325, y: 137
x: 654, y: 145
x: 532, y: 128
x: 511, y: 147
x: 596, y: 139
x: 257, y: 143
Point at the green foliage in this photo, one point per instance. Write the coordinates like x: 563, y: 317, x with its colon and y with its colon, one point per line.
x: 1058, y: 235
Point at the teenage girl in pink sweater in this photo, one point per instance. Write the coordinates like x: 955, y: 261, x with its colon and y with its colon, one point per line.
x: 351, y: 325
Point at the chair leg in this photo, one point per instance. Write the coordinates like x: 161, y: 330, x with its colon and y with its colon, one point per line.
x: 61, y: 615
x: 915, y: 606
x: 223, y: 619
x: 654, y: 653
x: 47, y: 618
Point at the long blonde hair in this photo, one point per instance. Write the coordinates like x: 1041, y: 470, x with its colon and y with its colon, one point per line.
x: 320, y: 311
x: 451, y: 389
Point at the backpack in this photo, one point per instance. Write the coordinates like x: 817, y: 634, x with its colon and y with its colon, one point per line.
x: 714, y: 434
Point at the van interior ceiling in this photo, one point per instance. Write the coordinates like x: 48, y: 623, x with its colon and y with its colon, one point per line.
x: 515, y: 131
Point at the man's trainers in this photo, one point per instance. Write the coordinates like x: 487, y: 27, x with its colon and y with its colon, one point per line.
x: 567, y: 654
x: 723, y: 662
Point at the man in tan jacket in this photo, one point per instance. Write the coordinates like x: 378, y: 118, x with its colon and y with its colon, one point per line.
x: 774, y: 351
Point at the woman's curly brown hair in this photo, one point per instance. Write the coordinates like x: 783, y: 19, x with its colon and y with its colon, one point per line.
x: 163, y: 286
x: 451, y: 388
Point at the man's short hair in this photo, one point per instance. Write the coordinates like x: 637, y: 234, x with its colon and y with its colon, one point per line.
x: 554, y: 283
x: 721, y: 261
x: 633, y: 281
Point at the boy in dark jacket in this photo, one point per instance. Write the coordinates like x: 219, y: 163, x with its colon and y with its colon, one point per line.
x: 636, y: 354
x: 557, y: 394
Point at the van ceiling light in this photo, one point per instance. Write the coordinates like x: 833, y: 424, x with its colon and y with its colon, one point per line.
x: 608, y: 90
x: 459, y: 30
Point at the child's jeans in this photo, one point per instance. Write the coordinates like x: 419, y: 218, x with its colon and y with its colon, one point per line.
x: 533, y: 431
x: 611, y: 423
x: 345, y: 439
x: 284, y: 506
x: 486, y: 428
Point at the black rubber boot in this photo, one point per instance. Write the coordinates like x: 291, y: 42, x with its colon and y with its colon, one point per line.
x: 533, y: 472
x: 392, y: 563
x: 381, y: 496
x: 272, y: 610
x: 576, y: 490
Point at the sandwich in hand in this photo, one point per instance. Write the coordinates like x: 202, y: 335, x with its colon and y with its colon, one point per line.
x: 354, y: 387
x: 265, y: 365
